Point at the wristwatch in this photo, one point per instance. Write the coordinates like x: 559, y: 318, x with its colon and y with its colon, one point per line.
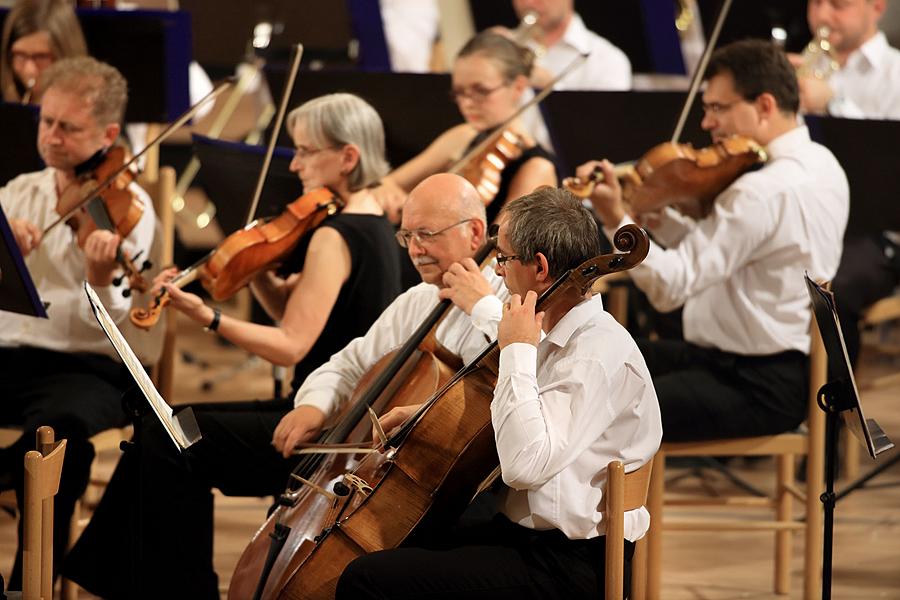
x: 214, y: 324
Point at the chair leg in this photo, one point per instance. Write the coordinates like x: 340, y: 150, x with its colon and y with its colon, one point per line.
x: 639, y: 570
x: 851, y: 455
x: 815, y: 485
x: 654, y: 535
x: 784, y: 512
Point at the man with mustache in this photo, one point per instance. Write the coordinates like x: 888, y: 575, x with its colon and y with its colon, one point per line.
x: 742, y: 367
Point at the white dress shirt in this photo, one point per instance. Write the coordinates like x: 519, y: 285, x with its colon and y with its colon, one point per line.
x: 330, y: 386
x: 739, y: 272
x: 868, y: 86
x: 410, y: 30
x: 562, y: 411
x: 607, y: 68
x: 57, y: 268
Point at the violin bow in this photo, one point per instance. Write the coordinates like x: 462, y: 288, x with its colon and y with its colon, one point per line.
x: 296, y: 55
x: 548, y: 89
x: 701, y: 68
x: 184, y: 118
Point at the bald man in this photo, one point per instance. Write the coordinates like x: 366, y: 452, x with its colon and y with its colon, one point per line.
x: 443, y: 226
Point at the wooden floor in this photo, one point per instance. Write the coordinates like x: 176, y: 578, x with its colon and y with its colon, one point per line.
x: 696, y: 567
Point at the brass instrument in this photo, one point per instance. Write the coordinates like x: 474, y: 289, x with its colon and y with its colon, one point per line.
x: 818, y: 59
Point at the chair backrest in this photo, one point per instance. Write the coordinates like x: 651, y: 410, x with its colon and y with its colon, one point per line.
x: 624, y: 492
x: 43, y: 470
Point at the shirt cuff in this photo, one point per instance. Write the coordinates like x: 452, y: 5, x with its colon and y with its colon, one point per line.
x: 486, y: 313
x: 518, y: 358
x: 321, y: 400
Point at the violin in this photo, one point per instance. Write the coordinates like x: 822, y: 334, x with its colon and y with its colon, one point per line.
x: 113, y: 206
x: 485, y: 169
x: 427, y: 472
x: 679, y: 175
x: 249, y: 251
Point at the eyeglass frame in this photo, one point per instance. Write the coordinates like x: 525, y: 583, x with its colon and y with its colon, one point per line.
x: 477, y: 94
x: 502, y: 259
x: 405, y: 236
x: 38, y: 58
x: 304, y: 153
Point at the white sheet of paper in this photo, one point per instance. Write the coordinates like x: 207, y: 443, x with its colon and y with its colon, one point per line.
x: 160, y: 407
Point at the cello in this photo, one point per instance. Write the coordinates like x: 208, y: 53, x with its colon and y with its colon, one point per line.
x: 435, y: 463
x: 414, y: 371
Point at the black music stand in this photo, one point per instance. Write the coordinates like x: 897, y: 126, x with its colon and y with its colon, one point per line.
x: 873, y: 203
x: 228, y: 174
x: 838, y: 399
x: 18, y: 153
x: 588, y: 125
x: 17, y: 291
x: 152, y: 50
x: 415, y: 108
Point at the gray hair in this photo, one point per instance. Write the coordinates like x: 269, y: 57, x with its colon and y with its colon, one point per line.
x: 342, y: 119
x: 91, y: 80
x: 552, y: 221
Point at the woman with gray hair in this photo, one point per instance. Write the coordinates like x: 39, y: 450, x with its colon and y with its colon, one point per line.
x: 328, y: 292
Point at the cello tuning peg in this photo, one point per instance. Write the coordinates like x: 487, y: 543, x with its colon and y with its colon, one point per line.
x: 117, y: 281
x: 146, y: 266
x: 126, y: 293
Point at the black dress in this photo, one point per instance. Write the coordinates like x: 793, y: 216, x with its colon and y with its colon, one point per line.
x: 174, y: 538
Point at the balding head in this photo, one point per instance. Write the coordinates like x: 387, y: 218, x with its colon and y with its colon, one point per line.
x: 443, y: 202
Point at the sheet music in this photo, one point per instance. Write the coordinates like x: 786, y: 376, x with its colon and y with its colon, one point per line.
x: 182, y: 436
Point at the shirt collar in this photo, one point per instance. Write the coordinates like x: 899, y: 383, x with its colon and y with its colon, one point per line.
x: 577, y: 35
x: 787, y: 143
x: 872, y: 52
x: 577, y: 316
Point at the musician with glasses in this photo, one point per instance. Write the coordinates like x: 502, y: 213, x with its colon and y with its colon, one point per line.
x: 742, y: 367
x: 36, y: 33
x: 490, y: 76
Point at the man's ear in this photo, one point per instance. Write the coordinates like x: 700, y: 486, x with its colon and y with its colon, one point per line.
x: 542, y: 267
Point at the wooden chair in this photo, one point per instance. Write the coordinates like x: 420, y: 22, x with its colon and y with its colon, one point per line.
x: 624, y: 492
x: 784, y: 447
x: 43, y: 470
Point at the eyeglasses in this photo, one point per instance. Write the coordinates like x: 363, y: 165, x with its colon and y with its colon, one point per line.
x: 41, y: 59
x: 502, y: 259
x: 422, y: 237
x: 717, y: 108
x: 303, y: 152
x: 476, y: 93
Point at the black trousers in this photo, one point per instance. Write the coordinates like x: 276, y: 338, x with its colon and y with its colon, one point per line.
x: 869, y: 271
x: 493, y: 561
x: 158, y: 542
x: 79, y: 395
x: 708, y: 394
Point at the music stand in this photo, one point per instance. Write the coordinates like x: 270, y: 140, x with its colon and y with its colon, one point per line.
x: 873, y: 205
x: 414, y: 107
x: 838, y: 399
x: 18, y: 153
x: 228, y: 174
x: 152, y: 50
x: 588, y: 125
x: 17, y: 291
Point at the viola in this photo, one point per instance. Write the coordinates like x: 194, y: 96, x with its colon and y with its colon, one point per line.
x: 679, y: 175
x: 247, y: 252
x: 113, y: 206
x: 403, y: 377
x: 435, y: 464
